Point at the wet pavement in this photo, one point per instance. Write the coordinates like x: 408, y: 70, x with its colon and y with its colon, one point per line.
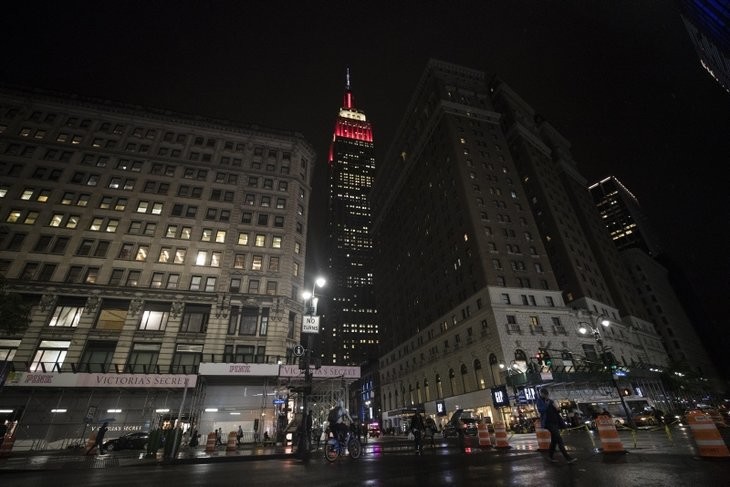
x: 653, y: 458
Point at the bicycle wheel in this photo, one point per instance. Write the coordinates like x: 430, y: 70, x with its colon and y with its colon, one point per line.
x: 354, y: 448
x: 331, y: 451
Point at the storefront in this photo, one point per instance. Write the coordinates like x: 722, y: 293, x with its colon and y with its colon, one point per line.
x: 57, y: 410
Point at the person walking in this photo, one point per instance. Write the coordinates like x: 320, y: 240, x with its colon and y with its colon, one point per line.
x: 99, y: 441
x: 552, y: 421
x: 417, y: 428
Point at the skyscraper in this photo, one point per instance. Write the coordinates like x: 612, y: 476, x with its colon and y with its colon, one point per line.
x: 351, y: 327
x: 486, y: 271
x: 632, y: 234
x: 707, y: 23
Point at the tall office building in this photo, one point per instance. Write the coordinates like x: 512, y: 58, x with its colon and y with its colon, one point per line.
x: 157, y: 252
x: 351, y: 325
x: 622, y: 216
x: 485, y: 270
x: 632, y: 234
x: 707, y: 23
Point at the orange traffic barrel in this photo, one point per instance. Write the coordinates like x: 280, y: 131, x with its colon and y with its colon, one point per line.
x: 232, y: 442
x: 708, y: 439
x: 90, y: 444
x: 483, y: 435
x: 500, y: 436
x: 210, y: 444
x: 610, y: 442
x: 543, y: 436
x: 7, y: 445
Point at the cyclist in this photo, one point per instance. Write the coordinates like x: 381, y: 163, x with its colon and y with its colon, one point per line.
x: 340, y: 421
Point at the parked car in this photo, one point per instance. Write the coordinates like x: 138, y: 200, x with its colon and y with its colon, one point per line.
x: 131, y: 441
x: 459, y: 424
x: 645, y: 418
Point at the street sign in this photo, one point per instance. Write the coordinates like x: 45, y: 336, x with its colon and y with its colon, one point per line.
x: 90, y: 413
x: 310, y: 324
x: 298, y: 351
x: 279, y: 401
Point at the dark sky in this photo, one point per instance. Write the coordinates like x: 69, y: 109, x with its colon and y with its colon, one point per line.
x: 618, y: 78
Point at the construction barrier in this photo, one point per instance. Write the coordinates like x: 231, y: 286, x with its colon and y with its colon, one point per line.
x: 717, y: 418
x: 232, y: 442
x: 500, y: 436
x: 483, y: 434
x: 708, y: 439
x: 90, y: 445
x: 7, y: 445
x: 210, y: 444
x: 543, y: 436
x: 610, y: 442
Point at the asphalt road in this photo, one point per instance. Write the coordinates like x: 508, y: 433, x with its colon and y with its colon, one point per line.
x: 651, y: 461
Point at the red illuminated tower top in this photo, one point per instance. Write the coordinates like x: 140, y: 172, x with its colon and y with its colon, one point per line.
x: 351, y: 123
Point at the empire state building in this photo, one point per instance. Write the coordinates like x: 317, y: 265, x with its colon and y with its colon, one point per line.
x: 351, y: 330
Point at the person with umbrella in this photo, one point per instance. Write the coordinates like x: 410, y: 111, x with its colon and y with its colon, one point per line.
x: 99, y: 442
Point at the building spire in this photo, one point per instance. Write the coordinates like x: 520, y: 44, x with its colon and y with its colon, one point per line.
x: 349, y: 102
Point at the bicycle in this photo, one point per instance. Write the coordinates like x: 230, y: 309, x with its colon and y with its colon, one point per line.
x: 334, y: 448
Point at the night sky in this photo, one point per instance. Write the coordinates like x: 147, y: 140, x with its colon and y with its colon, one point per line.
x: 619, y: 79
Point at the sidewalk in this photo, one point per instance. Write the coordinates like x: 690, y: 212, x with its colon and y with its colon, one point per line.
x: 75, y: 459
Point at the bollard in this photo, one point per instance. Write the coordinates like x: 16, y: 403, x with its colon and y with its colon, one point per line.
x: 210, y: 444
x: 610, y: 442
x: 708, y: 439
x: 543, y: 436
x: 500, y: 436
x: 232, y: 443
x: 483, y: 434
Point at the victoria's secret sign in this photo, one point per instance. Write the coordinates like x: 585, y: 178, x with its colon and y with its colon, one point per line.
x: 100, y: 380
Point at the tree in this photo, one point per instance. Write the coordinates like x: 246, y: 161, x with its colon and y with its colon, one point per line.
x: 14, y: 312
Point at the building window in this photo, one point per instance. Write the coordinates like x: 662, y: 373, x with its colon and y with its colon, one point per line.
x: 97, y: 356
x: 186, y: 359
x: 155, y: 316
x: 195, y: 319
x: 143, y: 358
x: 67, y: 313
x: 49, y: 356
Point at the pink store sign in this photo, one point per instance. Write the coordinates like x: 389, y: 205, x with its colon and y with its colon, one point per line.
x: 32, y: 379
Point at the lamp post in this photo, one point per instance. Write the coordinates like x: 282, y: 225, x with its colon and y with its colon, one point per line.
x: 307, y: 360
x: 593, y: 328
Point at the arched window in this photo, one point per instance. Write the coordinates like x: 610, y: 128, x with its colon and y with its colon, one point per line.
x: 427, y: 389
x: 464, y: 371
x: 479, y: 375
x: 410, y: 394
x: 452, y: 377
x: 418, y: 393
x: 439, y: 387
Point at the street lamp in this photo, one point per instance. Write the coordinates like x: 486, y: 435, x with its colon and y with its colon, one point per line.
x: 593, y: 328
x: 307, y: 360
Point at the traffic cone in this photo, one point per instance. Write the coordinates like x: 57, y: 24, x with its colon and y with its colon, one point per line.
x: 483, y: 434
x: 543, y: 436
x: 708, y: 439
x: 610, y: 442
x: 500, y: 436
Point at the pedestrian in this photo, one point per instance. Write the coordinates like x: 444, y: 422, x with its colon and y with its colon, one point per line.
x: 417, y: 428
x: 194, y: 438
x: 552, y: 421
x: 239, y: 435
x: 219, y: 437
x: 99, y: 442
